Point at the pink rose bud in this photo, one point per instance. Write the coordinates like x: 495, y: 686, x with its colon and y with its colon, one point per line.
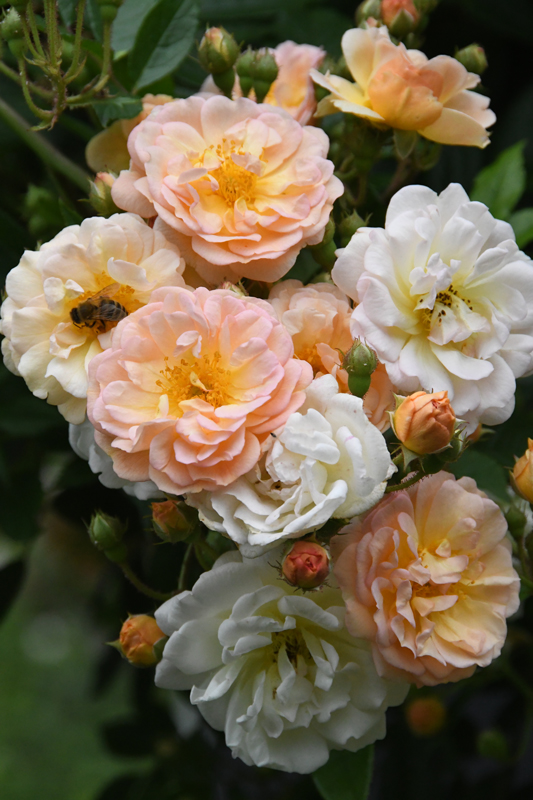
x: 391, y: 8
x: 306, y: 565
x: 425, y: 716
x: 424, y: 422
x: 523, y: 473
x: 138, y: 637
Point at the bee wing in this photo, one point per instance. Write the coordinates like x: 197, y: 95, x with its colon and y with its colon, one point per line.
x: 107, y: 291
x: 108, y: 313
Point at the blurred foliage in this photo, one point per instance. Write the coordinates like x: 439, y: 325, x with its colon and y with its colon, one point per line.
x: 90, y: 726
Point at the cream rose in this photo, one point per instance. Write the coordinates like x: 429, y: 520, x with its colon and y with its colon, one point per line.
x: 273, y: 668
x: 242, y: 187
x: 43, y: 343
x: 327, y: 461
x: 445, y: 298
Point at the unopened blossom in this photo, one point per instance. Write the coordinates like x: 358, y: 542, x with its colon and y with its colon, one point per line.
x: 241, y: 186
x: 424, y: 422
x: 306, y: 565
x: 138, y: 636
x: 191, y: 386
x: 273, y: 668
x: 402, y: 88
x: 445, y: 298
x: 121, y: 257
x: 293, y: 90
x: 328, y: 461
x: 81, y: 439
x: 428, y: 578
x: 391, y: 8
x: 108, y: 150
x: 318, y: 318
x: 523, y: 473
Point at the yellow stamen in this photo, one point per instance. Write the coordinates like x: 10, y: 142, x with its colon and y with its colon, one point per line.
x: 204, y: 378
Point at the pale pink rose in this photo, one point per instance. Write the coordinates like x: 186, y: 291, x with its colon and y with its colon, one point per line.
x: 191, y: 386
x: 427, y: 577
x: 402, y: 88
x: 318, y: 318
x: 293, y: 89
x: 241, y: 186
x: 108, y: 150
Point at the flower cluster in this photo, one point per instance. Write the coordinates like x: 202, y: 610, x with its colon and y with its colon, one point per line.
x: 213, y: 380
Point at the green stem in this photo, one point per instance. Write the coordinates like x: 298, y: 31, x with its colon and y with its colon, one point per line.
x: 71, y: 72
x: 14, y: 76
x: 187, y: 559
x: 52, y: 33
x: 46, y: 152
x: 28, y: 39
x: 406, y: 483
x: 41, y: 113
x: 32, y: 23
x: 140, y: 585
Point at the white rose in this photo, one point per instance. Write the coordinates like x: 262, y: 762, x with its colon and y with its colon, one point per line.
x: 328, y: 461
x: 273, y: 668
x: 42, y: 342
x: 81, y: 439
x: 445, y: 298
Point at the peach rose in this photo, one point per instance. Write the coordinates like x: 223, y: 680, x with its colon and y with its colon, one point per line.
x: 242, y: 186
x: 108, y: 150
x: 293, y: 89
x: 318, y: 318
x: 402, y: 88
x: 427, y: 576
x: 191, y: 386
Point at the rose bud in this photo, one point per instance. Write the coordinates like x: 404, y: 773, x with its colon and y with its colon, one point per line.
x: 425, y: 716
x: 359, y: 362
x: 218, y: 52
x: 173, y: 522
x: 424, y: 422
x: 392, y: 9
x: 106, y: 533
x: 473, y: 58
x: 138, y: 639
x: 100, y: 194
x: 306, y: 565
x: 522, y: 477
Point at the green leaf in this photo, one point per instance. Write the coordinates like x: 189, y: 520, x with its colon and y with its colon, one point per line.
x: 163, y: 41
x: 129, y: 19
x: 487, y: 473
x: 120, y: 107
x: 501, y: 185
x: 67, y: 10
x: 522, y: 222
x: 346, y: 776
x: 94, y: 19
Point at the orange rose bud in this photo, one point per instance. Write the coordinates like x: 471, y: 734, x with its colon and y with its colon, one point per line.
x: 137, y: 638
x: 306, y: 565
x: 425, y: 716
x: 424, y: 422
x: 523, y: 473
x: 173, y: 521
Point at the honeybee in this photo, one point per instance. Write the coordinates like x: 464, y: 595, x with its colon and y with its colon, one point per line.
x: 99, y: 309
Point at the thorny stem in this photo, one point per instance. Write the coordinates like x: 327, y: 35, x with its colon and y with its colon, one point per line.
x: 39, y: 112
x: 14, y: 76
x: 141, y: 586
x: 71, y: 72
x: 46, y: 151
x: 406, y: 483
x: 52, y: 33
x: 32, y: 23
x: 28, y: 40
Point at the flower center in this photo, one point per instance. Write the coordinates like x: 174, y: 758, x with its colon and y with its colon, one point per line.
x: 294, y: 644
x: 310, y: 354
x: 444, y: 300
x: 233, y: 180
x: 203, y: 378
